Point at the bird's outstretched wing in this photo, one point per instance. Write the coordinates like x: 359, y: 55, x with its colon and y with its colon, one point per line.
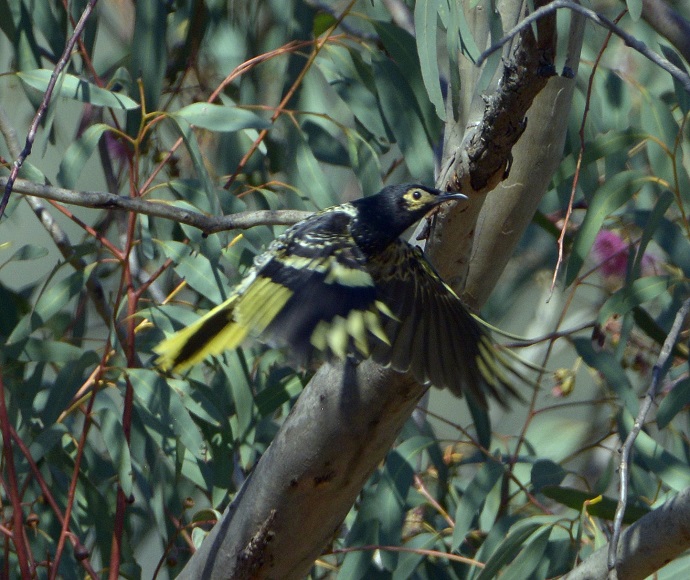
x: 310, y: 291
x: 431, y: 332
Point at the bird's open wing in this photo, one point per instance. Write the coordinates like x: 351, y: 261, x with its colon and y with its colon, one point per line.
x: 333, y: 306
x: 309, y: 291
x: 431, y: 333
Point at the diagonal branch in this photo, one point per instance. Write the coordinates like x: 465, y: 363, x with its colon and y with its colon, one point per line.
x: 59, y: 67
x: 626, y: 450
x: 681, y: 76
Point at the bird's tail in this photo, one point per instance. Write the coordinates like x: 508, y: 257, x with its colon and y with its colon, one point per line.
x: 211, y: 334
x: 246, y: 312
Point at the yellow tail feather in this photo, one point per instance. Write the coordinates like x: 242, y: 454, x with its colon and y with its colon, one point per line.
x: 199, y: 342
x: 224, y: 327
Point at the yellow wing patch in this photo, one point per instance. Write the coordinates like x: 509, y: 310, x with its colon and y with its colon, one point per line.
x: 337, y: 334
x: 260, y: 304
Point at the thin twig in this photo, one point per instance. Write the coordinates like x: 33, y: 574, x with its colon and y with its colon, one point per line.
x: 576, y: 177
x: 682, y: 77
x: 319, y: 44
x: 408, y: 550
x: 205, y: 223
x: 31, y: 136
x: 626, y: 449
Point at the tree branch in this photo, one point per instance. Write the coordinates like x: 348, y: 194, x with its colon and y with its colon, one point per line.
x: 669, y: 23
x: 681, y: 76
x: 626, y: 450
x: 646, y: 546
x: 163, y: 209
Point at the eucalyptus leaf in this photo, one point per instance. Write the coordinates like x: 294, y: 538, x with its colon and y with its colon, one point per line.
x: 673, y: 403
x: 78, y: 153
x: 506, y: 551
x: 26, y: 253
x: 220, y: 118
x: 158, y: 398
x: 473, y: 498
x: 633, y: 295
x: 425, y: 20
x: 77, y: 89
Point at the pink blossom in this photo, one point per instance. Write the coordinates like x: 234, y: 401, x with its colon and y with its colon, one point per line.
x: 611, y: 252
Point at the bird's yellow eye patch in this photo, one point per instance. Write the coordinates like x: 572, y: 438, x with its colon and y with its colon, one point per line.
x: 417, y: 198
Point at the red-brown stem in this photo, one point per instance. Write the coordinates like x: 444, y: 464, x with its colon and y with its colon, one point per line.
x: 12, y: 490
x: 132, y: 300
x: 49, y: 496
x: 64, y: 532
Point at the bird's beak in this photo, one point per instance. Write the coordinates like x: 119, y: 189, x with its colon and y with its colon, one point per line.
x: 450, y: 196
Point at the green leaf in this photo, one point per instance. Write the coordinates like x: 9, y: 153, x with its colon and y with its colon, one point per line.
x: 531, y: 557
x: 633, y: 295
x: 390, y: 506
x: 326, y: 147
x: 610, y: 196
x: 77, y: 89
x: 25, y: 253
x: 195, y: 154
x: 653, y: 220
x: 605, y: 508
x: 673, y: 403
x: 546, y: 472
x: 118, y: 448
x: 353, y: 81
x: 201, y: 275
x: 221, y: 118
x: 473, y: 499
x: 149, y: 54
x: 54, y: 299
x: 365, y: 163
x: 281, y: 386
x: 158, y: 398
x: 634, y: 9
x: 68, y: 381
x: 404, y: 118
x: 197, y: 403
x: 46, y: 441
x: 682, y: 95
x: 7, y: 22
x: 409, y: 561
x: 606, y: 363
x: 506, y: 551
x: 78, y: 153
x: 322, y: 22
x: 402, y: 48
x: 672, y: 470
x: 425, y: 22
x: 662, y: 128
x: 307, y: 175
x: 39, y: 350
x: 482, y: 421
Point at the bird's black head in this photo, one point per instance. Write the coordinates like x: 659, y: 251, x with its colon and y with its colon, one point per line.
x: 383, y: 217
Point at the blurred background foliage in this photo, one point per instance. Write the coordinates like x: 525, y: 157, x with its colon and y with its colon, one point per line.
x: 309, y: 110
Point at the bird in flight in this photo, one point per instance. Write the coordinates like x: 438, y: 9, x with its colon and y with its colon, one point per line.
x: 342, y: 283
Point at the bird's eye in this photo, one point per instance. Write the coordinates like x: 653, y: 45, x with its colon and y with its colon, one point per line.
x: 416, y: 195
